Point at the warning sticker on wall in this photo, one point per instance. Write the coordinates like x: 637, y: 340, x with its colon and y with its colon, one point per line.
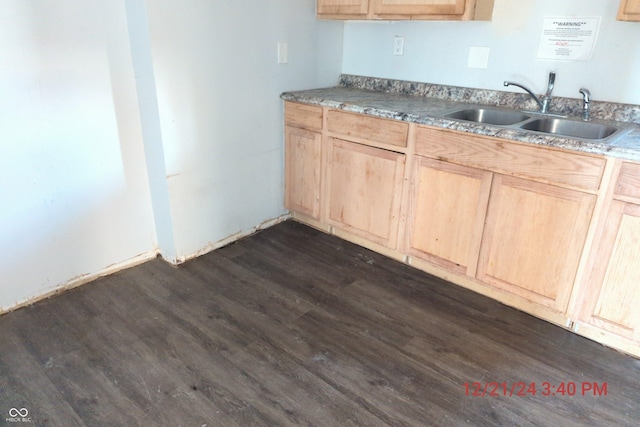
x: 568, y: 39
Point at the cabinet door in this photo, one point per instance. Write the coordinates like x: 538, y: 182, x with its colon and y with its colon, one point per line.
x: 613, y: 302
x: 302, y: 171
x: 364, y: 187
x: 348, y: 8
x: 629, y: 10
x: 533, y: 239
x: 419, y: 7
x: 447, y: 210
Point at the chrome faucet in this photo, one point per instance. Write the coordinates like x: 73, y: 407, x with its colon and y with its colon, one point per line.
x: 542, y: 101
x: 586, y: 104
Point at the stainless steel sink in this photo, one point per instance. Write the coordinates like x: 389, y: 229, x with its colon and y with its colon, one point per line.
x: 575, y: 129
x: 547, y: 124
x: 488, y: 116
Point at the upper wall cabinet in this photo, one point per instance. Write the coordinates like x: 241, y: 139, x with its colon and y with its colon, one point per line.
x: 343, y: 9
x: 406, y: 9
x: 629, y: 10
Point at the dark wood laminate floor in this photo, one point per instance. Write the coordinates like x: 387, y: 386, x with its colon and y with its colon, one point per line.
x: 292, y: 327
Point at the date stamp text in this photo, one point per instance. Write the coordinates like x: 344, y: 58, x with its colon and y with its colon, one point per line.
x: 545, y: 388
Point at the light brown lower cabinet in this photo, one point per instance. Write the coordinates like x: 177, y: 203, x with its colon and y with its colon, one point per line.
x: 533, y: 239
x: 303, y: 171
x: 447, y: 211
x: 607, y: 307
x: 519, y: 236
x: 363, y: 190
x: 613, y: 301
x: 512, y: 216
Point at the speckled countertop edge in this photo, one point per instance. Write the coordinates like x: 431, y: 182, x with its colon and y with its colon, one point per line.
x: 426, y: 104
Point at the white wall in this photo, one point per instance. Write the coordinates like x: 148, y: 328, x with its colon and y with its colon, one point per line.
x: 74, y: 197
x: 140, y: 38
x: 129, y: 126
x: 437, y: 52
x: 218, y: 86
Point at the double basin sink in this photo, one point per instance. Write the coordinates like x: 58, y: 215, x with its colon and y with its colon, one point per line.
x: 534, y: 122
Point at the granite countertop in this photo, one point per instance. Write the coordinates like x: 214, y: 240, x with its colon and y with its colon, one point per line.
x: 426, y: 104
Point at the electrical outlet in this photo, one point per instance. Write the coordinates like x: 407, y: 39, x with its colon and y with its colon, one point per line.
x: 398, y: 46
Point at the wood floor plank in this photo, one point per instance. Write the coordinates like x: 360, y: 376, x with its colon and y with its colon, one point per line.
x: 227, y: 376
x: 374, y: 377
x: 293, y: 327
x: 255, y: 292
x: 143, y: 378
x: 23, y: 384
x: 324, y: 403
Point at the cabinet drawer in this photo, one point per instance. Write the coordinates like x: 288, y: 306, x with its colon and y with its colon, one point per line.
x: 304, y: 116
x: 368, y: 128
x: 629, y: 180
x: 526, y: 161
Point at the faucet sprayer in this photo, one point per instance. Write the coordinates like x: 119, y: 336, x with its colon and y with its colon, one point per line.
x: 586, y: 104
